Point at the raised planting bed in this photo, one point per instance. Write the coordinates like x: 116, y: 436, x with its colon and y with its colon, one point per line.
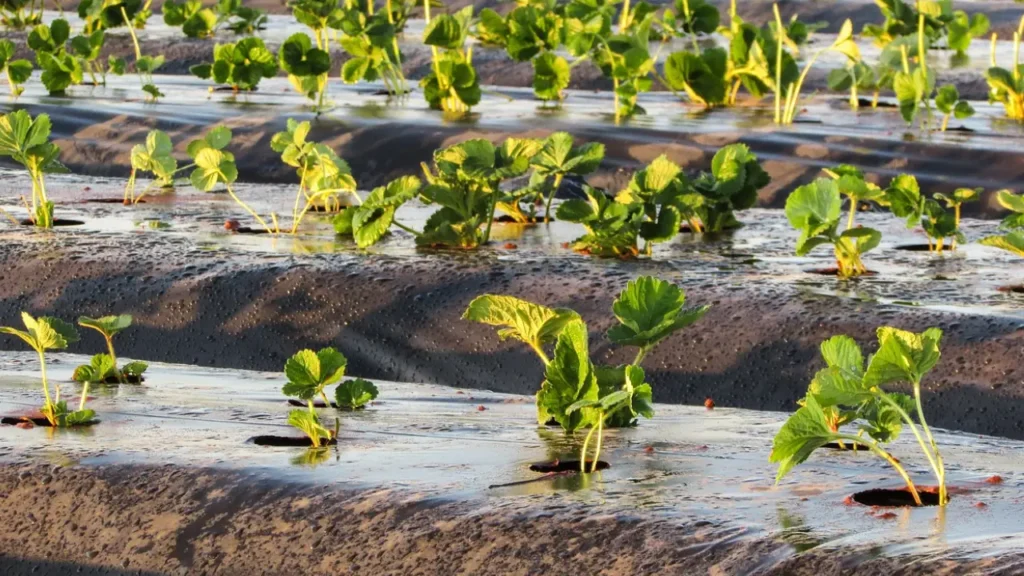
x: 202, y: 295
x: 434, y: 479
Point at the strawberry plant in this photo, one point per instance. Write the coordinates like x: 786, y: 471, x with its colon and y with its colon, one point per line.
x: 664, y: 195
x: 309, y: 373
x: 214, y: 165
x: 814, y: 209
x: 1007, y: 86
x: 624, y: 58
x: 323, y: 176
x: 108, y: 14
x: 60, y: 69
x: 155, y: 156
x: 466, y: 183
x: 961, y: 29
x: 648, y: 310
x: 368, y: 222
x: 27, y: 142
x: 948, y: 101
x: 87, y: 48
x: 851, y: 184
x: 847, y: 392
x: 559, y: 158
x: 102, y: 368
x: 531, y: 33
x: 13, y: 14
x: 903, y: 19
x: 355, y: 393
x: 906, y: 201
x: 452, y: 84
x: 307, y: 67
x: 370, y: 39
x: 732, y: 185
x: 701, y: 75
x: 42, y: 334
x: 17, y: 71
x: 956, y: 200
x: 1013, y: 240
x: 612, y: 227
x: 195, y: 20
x: 240, y: 65
x: 241, y: 20
x: 785, y: 111
x: 858, y: 77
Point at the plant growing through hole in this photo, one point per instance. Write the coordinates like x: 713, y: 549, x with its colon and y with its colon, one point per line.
x: 1013, y: 239
x: 368, y: 222
x: 241, y: 20
x: 47, y: 333
x: 648, y: 310
x: 240, y: 65
x: 558, y: 158
x: 465, y: 183
x: 906, y: 201
x: 961, y: 29
x: 214, y: 165
x: 857, y: 190
x: 309, y: 373
x: 102, y: 368
x: 155, y: 156
x: 733, y: 183
x: 17, y: 71
x: 1007, y: 86
x: 307, y: 67
x: 27, y: 142
x: 612, y: 227
x: 815, y: 210
x: 902, y: 19
x: 701, y: 75
x: 452, y: 84
x: 956, y: 200
x: 664, y: 195
x: 323, y: 176
x: 846, y: 386
x: 859, y: 78
x: 60, y: 69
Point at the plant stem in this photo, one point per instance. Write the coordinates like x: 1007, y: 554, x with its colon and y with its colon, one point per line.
x: 874, y: 447
x: 913, y: 428
x: 42, y: 370
x: 624, y: 18
x: 778, y: 64
x: 600, y: 434
x: 406, y: 228
x: 640, y: 355
x: 540, y: 352
x: 551, y: 196
x: 131, y: 30
x: 85, y: 392
x: 853, y: 212
x: 940, y: 471
x: 956, y: 221
x: 583, y: 453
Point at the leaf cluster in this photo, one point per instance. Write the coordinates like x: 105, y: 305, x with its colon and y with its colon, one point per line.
x: 240, y: 65
x: 814, y: 209
x: 576, y: 392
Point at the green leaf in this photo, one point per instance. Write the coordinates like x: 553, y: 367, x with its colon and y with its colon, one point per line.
x: 355, y: 393
x: 309, y: 423
x: 843, y: 352
x: 135, y: 369
x: 803, y: 433
x: 814, y: 206
x: 649, y: 310
x: 1012, y: 242
x: 559, y: 156
x: 530, y: 323
x: 903, y: 356
x: 551, y: 75
x: 310, y: 372
x: 568, y: 378
x: 108, y: 326
x: 99, y: 368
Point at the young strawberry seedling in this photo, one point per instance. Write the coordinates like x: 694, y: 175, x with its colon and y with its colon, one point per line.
x: 815, y: 210
x: 155, y: 157
x: 845, y: 392
x: 42, y: 334
x: 575, y: 392
x: 27, y: 142
x: 103, y: 367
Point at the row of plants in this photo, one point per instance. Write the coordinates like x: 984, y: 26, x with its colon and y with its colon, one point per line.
x: 471, y: 183
x: 309, y: 374
x: 576, y: 393
x: 554, y: 37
